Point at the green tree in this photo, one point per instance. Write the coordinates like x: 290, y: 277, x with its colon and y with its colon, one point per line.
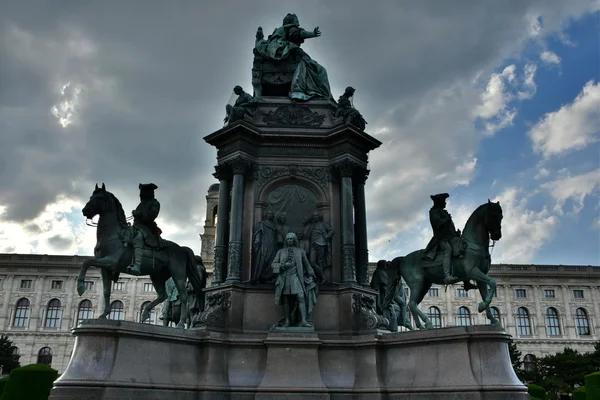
x: 9, y: 360
x: 515, y: 359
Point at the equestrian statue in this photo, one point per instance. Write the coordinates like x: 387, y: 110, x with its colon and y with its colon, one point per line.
x: 118, y: 243
x: 450, y: 257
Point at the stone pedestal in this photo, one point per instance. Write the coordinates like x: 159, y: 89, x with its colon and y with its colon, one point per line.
x: 292, y: 367
x: 125, y: 360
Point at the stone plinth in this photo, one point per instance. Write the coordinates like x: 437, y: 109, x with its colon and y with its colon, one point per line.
x: 124, y: 360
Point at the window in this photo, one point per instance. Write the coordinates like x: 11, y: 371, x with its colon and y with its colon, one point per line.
x: 520, y: 293
x: 57, y: 285
x: 582, y: 322
x: 25, y: 283
x: 529, y: 363
x: 148, y: 287
x: 435, y: 316
x: 552, y: 322
x: 45, y: 356
x: 21, y: 313
x: 523, y: 322
x: 462, y: 293
x: 434, y: 292
x: 14, y: 351
x: 85, y: 311
x: 578, y: 293
x: 496, y: 314
x: 117, y: 310
x: 117, y: 286
x: 88, y: 285
x: 549, y: 293
x: 53, y: 314
x: 152, y: 319
x: 463, y: 318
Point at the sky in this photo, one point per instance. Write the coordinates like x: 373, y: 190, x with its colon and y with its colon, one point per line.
x: 479, y: 99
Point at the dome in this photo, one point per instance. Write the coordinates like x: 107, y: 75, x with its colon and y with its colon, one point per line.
x: 213, y: 187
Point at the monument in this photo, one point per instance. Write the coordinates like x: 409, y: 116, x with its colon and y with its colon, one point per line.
x: 290, y: 312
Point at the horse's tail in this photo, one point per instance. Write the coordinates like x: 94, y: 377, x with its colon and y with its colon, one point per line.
x: 394, y: 275
x: 198, y: 282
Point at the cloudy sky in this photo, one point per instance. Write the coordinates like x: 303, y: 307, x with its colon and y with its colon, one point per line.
x: 480, y: 99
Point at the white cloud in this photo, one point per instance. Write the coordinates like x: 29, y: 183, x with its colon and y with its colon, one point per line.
x: 573, y: 127
x: 529, y: 85
x: 549, y: 57
x: 575, y: 188
x: 524, y: 232
x: 495, y: 98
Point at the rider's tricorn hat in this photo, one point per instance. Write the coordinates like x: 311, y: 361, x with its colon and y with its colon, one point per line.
x: 439, y: 196
x: 146, y: 187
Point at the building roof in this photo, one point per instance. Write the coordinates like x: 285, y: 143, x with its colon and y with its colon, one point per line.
x: 213, y: 187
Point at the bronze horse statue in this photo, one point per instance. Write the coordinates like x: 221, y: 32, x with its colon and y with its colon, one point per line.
x: 113, y: 255
x: 485, y: 223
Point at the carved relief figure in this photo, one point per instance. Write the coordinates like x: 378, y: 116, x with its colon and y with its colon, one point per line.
x: 310, y: 78
x: 264, y: 249
x: 320, y: 247
x: 305, y: 234
x: 346, y: 110
x: 293, y: 273
x: 282, y: 230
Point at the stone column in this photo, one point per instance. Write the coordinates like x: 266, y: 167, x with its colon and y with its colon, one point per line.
x: 362, y: 262
x: 8, y: 288
x: 346, y: 169
x: 234, y: 259
x: 220, y: 263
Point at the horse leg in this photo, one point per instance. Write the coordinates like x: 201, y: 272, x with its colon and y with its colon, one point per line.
x: 483, y: 290
x: 106, y: 288
x: 483, y: 279
x: 102, y: 263
x: 178, y: 269
x: 161, y: 294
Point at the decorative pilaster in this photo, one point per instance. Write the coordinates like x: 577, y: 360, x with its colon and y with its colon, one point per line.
x: 220, y: 266
x: 345, y: 169
x: 362, y: 259
x: 240, y: 167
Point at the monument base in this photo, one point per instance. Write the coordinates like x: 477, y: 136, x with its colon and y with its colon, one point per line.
x: 125, y: 360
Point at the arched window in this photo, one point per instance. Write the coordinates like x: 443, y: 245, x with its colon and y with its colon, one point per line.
x: 53, y: 314
x: 152, y: 319
x: 214, y: 215
x: 523, y: 322
x: 14, y: 351
x: 582, y: 322
x: 84, y: 311
x: 435, y: 316
x: 496, y: 314
x: 117, y: 310
x: 45, y: 356
x: 529, y: 363
x: 552, y: 322
x: 21, y: 318
x: 463, y: 318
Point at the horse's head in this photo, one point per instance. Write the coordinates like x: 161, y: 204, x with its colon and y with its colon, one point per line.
x: 493, y: 220
x: 99, y: 203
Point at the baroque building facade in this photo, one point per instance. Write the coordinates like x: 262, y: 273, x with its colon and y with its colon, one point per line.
x: 544, y: 307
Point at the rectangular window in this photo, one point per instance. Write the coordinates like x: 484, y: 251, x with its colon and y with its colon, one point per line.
x: 148, y: 287
x: 57, y: 285
x: 88, y: 285
x: 549, y: 293
x: 520, y: 293
x: 578, y: 293
x: 434, y: 292
x: 462, y: 293
x: 25, y: 283
x: 117, y: 286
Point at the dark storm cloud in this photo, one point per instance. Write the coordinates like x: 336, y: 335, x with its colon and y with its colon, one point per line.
x: 60, y: 243
x: 154, y: 79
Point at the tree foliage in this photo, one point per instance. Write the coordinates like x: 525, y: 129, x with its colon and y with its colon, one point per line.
x: 8, y: 357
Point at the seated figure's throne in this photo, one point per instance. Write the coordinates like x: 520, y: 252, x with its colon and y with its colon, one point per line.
x: 274, y: 78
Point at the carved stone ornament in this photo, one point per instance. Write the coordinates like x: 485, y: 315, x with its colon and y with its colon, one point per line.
x: 239, y: 165
x: 345, y: 168
x: 349, y: 262
x: 217, y: 305
x: 364, y: 305
x: 220, y: 263
x: 235, y: 261
x: 293, y: 115
x: 265, y: 173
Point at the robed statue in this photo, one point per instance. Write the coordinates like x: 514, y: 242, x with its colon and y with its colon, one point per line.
x: 244, y: 105
x: 310, y: 78
x: 397, y: 311
x: 346, y: 111
x: 443, y: 233
x: 295, y: 286
x: 264, y: 248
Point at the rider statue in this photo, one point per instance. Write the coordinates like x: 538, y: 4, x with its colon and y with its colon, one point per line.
x: 145, y: 229
x: 443, y: 232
